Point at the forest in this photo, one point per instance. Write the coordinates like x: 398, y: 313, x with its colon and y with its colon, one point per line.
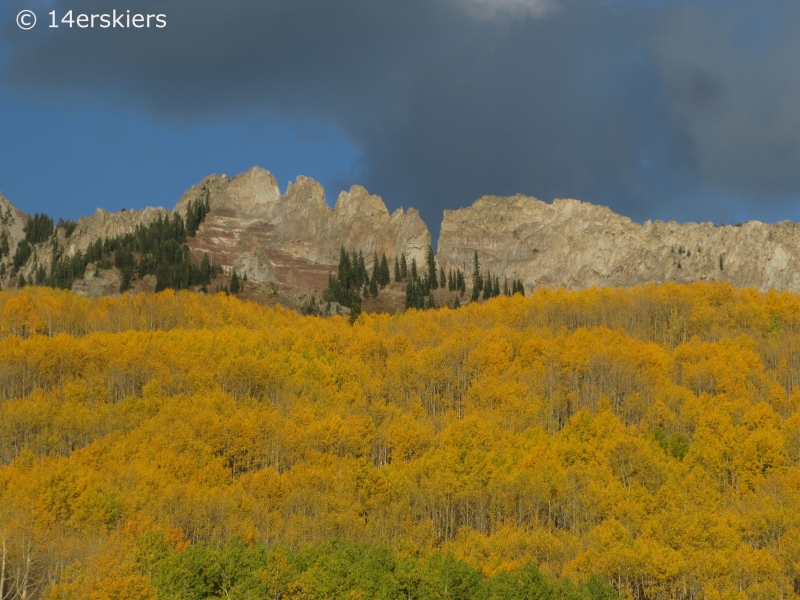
x: 158, y: 248
x: 637, y: 443
x: 352, y: 280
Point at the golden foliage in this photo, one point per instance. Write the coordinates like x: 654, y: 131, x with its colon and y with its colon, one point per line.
x: 649, y: 435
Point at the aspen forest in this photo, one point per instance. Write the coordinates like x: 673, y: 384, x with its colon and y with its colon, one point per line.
x: 635, y: 443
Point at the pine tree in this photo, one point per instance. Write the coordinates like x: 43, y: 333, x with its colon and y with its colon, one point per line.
x: 442, y: 277
x: 403, y: 267
x: 414, y: 269
x: 376, y: 269
x: 234, y: 283
x: 205, y: 269
x: 344, y: 268
x: 431, y: 260
x: 346, y: 287
x: 21, y: 256
x: 384, y: 272
x: 21, y: 281
x: 506, y: 291
x: 487, y: 288
x: 496, y: 288
x: 457, y: 303
x: 361, y: 270
x: 38, y: 229
x: 373, y: 285
x: 477, y: 279
x: 397, y: 277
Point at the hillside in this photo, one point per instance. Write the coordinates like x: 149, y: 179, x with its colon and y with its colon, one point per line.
x: 167, y: 442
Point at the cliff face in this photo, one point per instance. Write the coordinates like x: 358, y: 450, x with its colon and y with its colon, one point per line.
x: 293, y: 240
x: 288, y: 243
x: 103, y: 224
x: 577, y: 245
x: 12, y: 220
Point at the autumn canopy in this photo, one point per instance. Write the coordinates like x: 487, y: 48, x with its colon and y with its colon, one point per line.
x: 646, y: 439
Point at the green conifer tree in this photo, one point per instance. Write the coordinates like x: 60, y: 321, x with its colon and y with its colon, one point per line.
x: 384, y: 272
x: 373, y: 284
x: 430, y: 258
x: 409, y: 295
x: 205, y: 269
x: 487, y: 288
x: 477, y: 279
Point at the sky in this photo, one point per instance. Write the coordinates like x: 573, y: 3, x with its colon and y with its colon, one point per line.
x: 659, y: 109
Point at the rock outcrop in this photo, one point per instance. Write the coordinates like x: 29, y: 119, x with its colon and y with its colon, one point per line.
x: 293, y: 239
x: 576, y: 245
x: 12, y: 222
x: 103, y: 224
x: 288, y: 243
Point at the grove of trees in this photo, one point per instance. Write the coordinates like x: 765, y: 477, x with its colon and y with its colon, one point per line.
x: 186, y: 446
x: 158, y: 248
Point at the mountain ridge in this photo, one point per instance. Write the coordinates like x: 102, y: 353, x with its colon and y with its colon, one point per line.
x: 288, y: 243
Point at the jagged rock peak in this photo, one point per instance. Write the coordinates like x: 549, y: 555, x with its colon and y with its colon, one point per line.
x: 12, y: 221
x: 358, y: 201
x: 211, y: 187
x: 306, y: 192
x: 252, y: 193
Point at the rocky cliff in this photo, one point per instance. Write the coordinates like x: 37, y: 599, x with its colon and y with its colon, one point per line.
x: 288, y: 243
x: 577, y: 245
x: 285, y: 243
x: 293, y: 239
x: 12, y: 220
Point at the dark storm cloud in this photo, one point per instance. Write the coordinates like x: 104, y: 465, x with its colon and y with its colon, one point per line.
x: 641, y: 106
x: 732, y: 83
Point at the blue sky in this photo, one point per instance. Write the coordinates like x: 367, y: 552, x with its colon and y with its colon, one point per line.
x: 660, y: 110
x: 68, y: 160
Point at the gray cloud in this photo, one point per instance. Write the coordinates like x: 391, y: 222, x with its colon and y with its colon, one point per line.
x: 644, y: 107
x: 733, y: 91
x: 503, y: 9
